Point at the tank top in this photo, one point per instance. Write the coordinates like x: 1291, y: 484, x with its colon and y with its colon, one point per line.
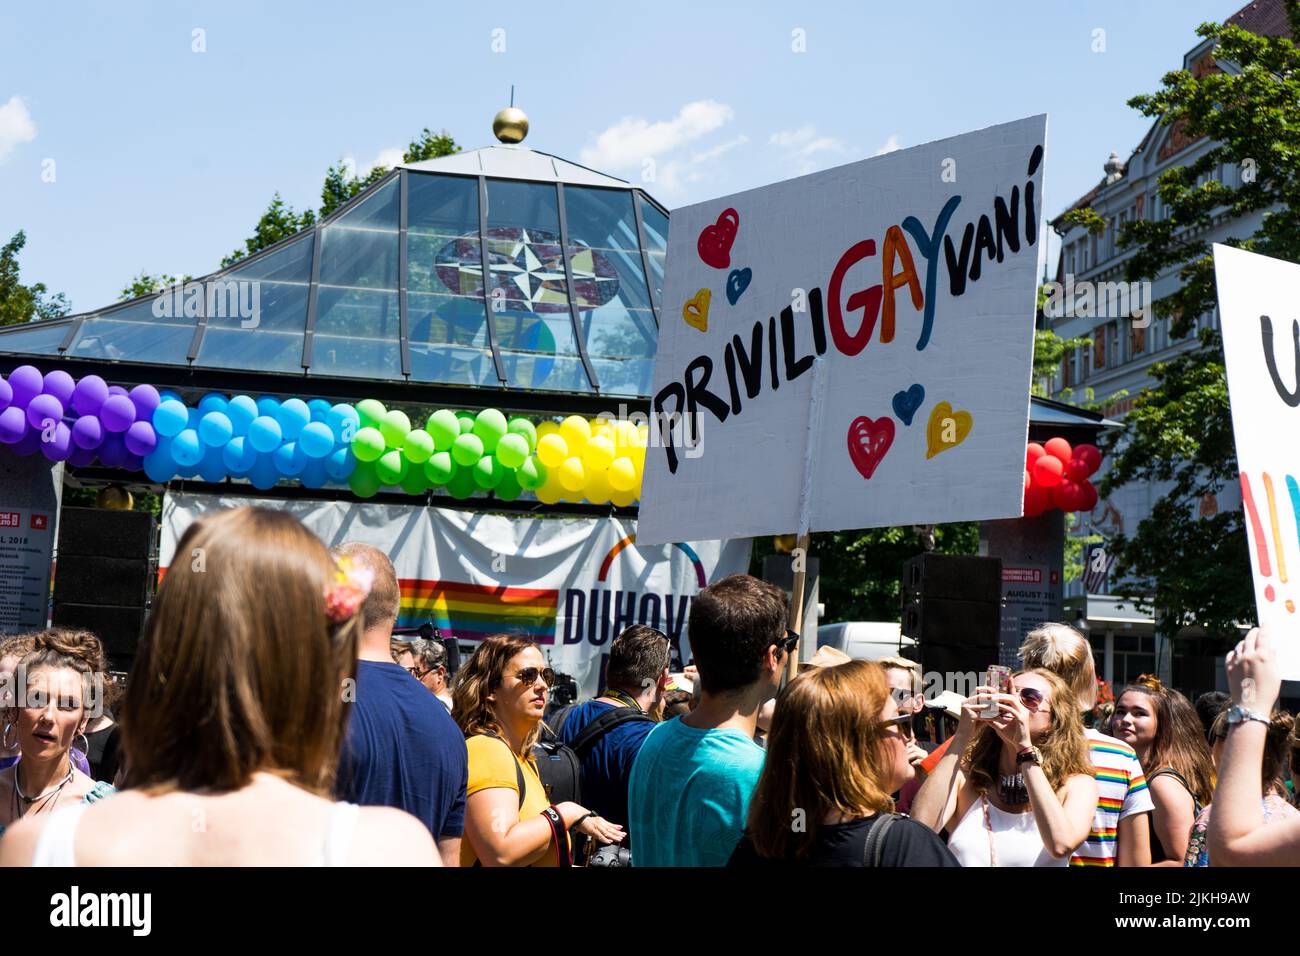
x: 55, y: 846
x: 1015, y: 838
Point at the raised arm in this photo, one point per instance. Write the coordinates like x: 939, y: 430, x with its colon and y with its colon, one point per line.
x: 936, y: 801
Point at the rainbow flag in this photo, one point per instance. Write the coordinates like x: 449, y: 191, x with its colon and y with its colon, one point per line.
x: 471, y: 612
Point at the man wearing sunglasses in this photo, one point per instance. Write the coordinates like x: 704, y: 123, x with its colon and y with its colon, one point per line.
x: 694, y: 776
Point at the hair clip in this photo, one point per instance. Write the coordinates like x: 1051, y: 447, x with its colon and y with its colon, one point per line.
x: 1150, y: 681
x: 348, y: 591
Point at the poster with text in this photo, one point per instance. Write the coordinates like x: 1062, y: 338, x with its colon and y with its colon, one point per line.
x: 852, y: 348
x: 1260, y: 319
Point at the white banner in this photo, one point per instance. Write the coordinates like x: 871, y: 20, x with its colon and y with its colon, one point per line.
x: 1261, y: 349
x: 571, y: 584
x: 852, y: 348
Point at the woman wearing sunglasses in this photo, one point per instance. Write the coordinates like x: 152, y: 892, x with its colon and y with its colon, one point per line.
x: 1016, y: 789
x: 498, y: 703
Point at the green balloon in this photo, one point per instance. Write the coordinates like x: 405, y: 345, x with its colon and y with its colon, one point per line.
x: 439, y: 468
x: 363, y: 481
x: 415, y: 482
x: 395, y: 428
x: 487, y: 472
x: 443, y: 426
x: 372, y: 412
x: 508, y: 489
x: 531, y: 474
x: 522, y: 426
x: 512, y: 450
x: 417, y: 447
x: 462, y: 484
x: 392, y: 467
x: 467, y: 450
x: 465, y: 421
x: 489, y: 426
x: 368, y: 444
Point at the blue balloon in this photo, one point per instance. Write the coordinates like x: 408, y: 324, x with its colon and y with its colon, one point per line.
x: 158, y: 465
x: 212, y: 468
x: 338, y: 418
x: 170, y: 418
x: 187, y: 449
x: 320, y: 409
x: 238, y: 455
x: 316, y: 440
x: 266, y: 405
x: 215, y: 429
x: 293, y: 415
x: 313, y: 475
x: 171, y: 395
x: 241, y: 411
x: 264, y: 434
x: 340, y: 463
x: 289, y: 459
x: 213, y: 402
x: 263, y: 474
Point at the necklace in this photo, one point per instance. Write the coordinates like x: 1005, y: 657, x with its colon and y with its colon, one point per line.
x: 1011, y: 789
x: 41, y: 796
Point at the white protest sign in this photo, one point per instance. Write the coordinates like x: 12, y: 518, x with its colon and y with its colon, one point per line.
x: 852, y: 348
x: 1259, y: 310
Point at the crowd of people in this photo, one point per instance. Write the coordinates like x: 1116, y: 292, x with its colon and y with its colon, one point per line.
x: 272, y: 717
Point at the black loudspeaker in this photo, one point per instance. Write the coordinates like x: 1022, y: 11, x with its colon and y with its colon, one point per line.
x: 106, y: 532
x: 90, y: 579
x: 118, y: 627
x: 952, y: 608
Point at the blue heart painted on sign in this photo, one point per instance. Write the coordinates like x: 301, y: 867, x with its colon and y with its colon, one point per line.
x: 737, y: 283
x: 906, y: 403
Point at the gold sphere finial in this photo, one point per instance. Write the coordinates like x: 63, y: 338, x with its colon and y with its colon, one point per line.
x: 510, y: 125
x: 115, y: 498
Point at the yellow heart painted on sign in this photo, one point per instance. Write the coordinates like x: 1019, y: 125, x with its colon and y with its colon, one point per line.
x: 946, y: 429
x: 696, y: 310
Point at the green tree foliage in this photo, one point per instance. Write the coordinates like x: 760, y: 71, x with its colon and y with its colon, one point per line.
x: 24, y: 303
x: 278, y: 222
x: 145, y: 284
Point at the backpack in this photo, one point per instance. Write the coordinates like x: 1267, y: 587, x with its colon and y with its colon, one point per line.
x: 559, y: 767
x: 873, y: 852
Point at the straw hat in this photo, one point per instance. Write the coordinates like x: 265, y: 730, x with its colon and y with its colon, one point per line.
x: 825, y: 657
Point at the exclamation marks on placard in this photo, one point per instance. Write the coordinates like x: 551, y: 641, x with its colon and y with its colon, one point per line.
x: 1257, y: 533
x: 1278, y: 551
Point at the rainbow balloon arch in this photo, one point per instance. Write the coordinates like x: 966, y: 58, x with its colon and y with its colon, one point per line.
x: 365, y: 446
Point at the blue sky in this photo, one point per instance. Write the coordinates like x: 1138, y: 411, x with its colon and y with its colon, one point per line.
x: 164, y: 158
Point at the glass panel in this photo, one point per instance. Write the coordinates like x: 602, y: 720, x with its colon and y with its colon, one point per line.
x: 624, y: 376
x: 606, y: 276
x: 615, y: 332
x: 358, y: 258
x: 35, y: 338
x: 444, y: 264
x: 356, y: 334
x: 600, y: 218
x: 290, y: 264
x: 441, y: 205
x: 530, y: 370
x: 446, y: 320
x: 548, y: 333
x: 1126, y: 642
x: 379, y: 210
x: 274, y: 344
x: 657, y: 278
x: 135, y: 334
x: 656, y: 227
x: 528, y: 268
x: 523, y: 205
x: 455, y: 366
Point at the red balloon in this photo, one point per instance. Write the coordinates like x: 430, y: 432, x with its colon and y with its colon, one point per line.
x: 1036, y: 501
x: 1077, y: 469
x: 1090, y: 454
x: 1059, y: 448
x: 1089, y: 500
x: 1028, y: 479
x: 1034, y: 452
x: 1048, y: 471
x: 1067, y: 496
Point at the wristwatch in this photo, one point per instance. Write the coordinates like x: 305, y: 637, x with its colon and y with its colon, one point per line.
x: 1030, y: 755
x: 1237, y: 714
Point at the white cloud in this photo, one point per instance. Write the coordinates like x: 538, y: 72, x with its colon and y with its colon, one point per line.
x: 790, y: 138
x: 891, y: 144
x: 802, y: 145
x: 16, y: 126
x: 387, y: 157
x: 634, y: 139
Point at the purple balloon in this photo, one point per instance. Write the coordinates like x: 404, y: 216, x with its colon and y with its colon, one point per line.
x: 30, y: 443
x: 117, y: 413
x: 59, y: 384
x: 116, y: 390
x: 140, y: 439
x: 146, y: 399
x: 13, y: 425
x: 87, y: 432
x: 44, y: 408
x: 89, y: 395
x: 58, y: 446
x: 133, y: 463
x: 81, y: 457
x: 112, y: 453
x: 6, y: 394
x: 26, y: 383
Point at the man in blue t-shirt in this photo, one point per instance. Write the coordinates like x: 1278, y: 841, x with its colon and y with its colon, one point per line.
x: 693, y: 778
x: 635, y: 682
x: 402, y: 748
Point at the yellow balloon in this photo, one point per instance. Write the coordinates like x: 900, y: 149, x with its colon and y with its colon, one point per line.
x: 601, y: 426
x: 643, y: 434
x: 551, y: 490
x: 547, y: 427
x: 552, y: 450
x: 597, y: 489
x: 575, y: 430
x: 622, y: 475
x: 572, y: 475
x: 623, y: 499
x: 598, y: 453
x: 623, y: 430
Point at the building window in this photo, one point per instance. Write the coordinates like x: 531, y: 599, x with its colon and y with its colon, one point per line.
x: 1099, y: 347
x: 1113, y: 345
x: 1132, y: 657
x: 1137, y: 340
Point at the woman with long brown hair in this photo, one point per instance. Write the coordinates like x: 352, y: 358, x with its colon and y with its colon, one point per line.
x: 498, y: 702
x: 233, y: 717
x: 1016, y: 789
x: 1161, y: 725
x: 836, y: 752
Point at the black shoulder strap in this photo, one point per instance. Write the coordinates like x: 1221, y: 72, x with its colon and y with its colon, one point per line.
x: 874, y: 850
x: 1171, y: 772
x: 519, y: 773
x: 556, y: 724
x: 598, y: 728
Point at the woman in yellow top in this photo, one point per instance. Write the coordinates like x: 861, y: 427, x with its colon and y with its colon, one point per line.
x: 498, y: 703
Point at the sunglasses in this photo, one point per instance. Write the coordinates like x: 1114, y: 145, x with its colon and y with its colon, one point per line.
x: 904, y: 724
x: 529, y: 675
x: 788, y: 643
x: 1033, y: 699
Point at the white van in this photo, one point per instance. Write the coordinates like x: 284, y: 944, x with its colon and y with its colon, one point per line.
x: 864, y: 640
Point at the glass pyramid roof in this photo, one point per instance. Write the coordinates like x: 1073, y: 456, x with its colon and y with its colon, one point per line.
x: 500, y: 268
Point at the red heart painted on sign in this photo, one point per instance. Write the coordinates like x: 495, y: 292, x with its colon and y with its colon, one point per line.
x: 868, y: 442
x: 715, y: 241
